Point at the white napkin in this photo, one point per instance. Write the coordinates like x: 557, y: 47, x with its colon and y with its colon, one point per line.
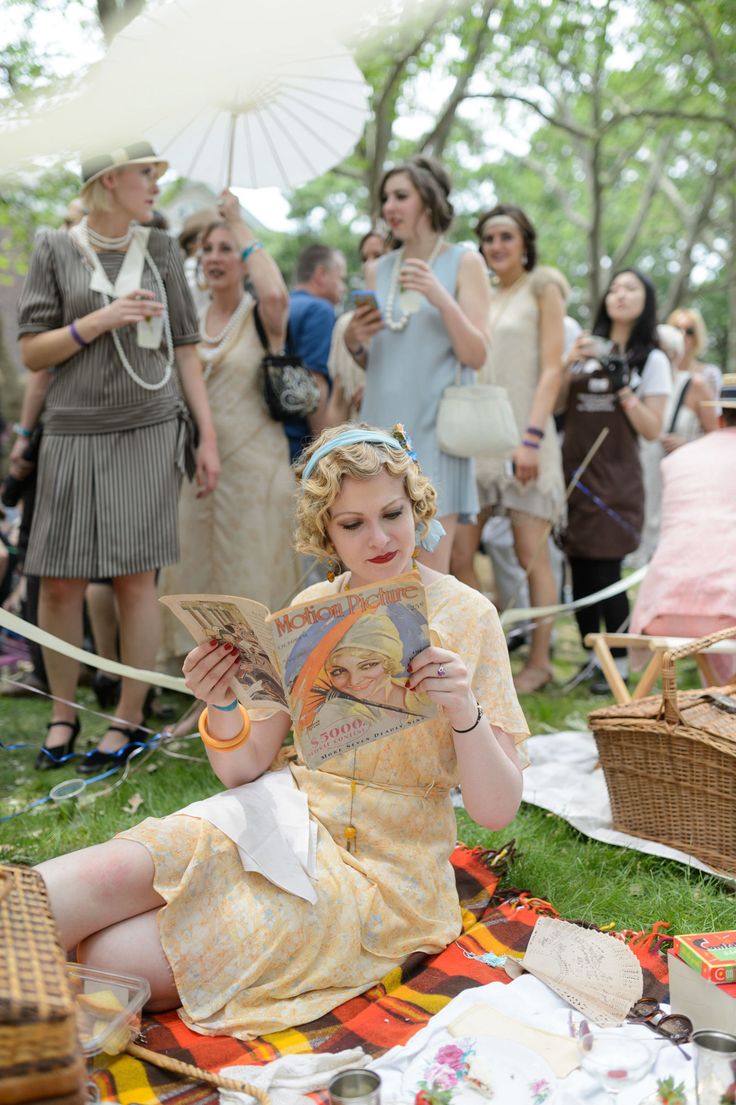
x: 290, y: 1075
x: 269, y: 822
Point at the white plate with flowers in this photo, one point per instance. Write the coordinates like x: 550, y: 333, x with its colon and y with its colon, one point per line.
x: 468, y: 1070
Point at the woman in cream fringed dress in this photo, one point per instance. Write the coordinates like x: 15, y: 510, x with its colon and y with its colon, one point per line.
x: 237, y: 541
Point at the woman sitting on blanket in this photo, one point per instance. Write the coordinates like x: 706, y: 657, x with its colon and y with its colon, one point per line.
x: 214, y: 926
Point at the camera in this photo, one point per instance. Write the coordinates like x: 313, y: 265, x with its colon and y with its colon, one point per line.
x: 612, y: 362
x: 12, y: 489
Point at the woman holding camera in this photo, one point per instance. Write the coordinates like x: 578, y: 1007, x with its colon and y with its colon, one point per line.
x: 617, y: 381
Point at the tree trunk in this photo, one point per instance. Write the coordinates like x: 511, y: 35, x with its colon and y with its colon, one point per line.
x: 594, y: 236
x: 731, y: 293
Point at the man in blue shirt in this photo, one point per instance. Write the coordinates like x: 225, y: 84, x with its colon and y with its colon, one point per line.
x: 319, y: 287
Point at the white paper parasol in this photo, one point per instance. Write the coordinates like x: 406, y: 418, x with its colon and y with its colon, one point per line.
x: 291, y: 127
x: 230, y: 91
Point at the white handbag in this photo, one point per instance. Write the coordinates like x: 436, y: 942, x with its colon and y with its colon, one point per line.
x: 476, y: 420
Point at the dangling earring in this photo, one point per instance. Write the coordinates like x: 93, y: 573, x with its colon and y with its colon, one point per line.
x: 414, y: 556
x: 333, y: 568
x: 525, y: 260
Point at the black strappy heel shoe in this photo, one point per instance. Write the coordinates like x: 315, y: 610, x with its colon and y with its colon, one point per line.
x: 95, y: 761
x: 50, y: 758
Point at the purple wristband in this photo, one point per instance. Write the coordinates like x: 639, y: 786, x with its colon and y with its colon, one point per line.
x: 530, y: 444
x: 535, y: 432
x: 77, y: 336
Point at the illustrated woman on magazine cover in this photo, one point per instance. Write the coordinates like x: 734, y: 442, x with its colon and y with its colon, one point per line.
x: 363, y: 674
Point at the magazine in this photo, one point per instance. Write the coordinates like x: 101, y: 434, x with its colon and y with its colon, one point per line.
x: 337, y: 664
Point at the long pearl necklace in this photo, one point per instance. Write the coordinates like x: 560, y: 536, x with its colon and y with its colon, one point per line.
x: 87, y: 248
x: 101, y: 242
x: 409, y: 302
x: 220, y: 341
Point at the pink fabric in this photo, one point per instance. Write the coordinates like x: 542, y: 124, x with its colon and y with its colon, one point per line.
x: 690, y: 588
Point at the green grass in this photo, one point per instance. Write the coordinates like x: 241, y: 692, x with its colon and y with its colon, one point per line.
x: 581, y: 877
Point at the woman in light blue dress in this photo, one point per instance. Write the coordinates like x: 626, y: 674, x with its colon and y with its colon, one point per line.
x: 432, y: 317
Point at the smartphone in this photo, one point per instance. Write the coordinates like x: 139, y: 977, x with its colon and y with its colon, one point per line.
x: 365, y: 298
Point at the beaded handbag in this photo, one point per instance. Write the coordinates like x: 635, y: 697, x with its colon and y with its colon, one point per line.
x: 40, y: 1056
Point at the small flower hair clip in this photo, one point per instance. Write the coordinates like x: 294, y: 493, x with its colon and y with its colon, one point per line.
x: 404, y: 441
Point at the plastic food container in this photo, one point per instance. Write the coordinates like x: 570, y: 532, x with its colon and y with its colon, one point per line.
x: 108, y: 1007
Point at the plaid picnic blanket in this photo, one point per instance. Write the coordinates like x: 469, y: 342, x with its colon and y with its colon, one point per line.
x: 498, y: 921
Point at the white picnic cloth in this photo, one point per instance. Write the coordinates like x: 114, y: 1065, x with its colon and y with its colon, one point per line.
x: 529, y: 1001
x: 564, y: 779
x: 289, y: 1078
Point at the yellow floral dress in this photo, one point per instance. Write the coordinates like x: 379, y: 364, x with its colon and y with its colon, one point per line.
x: 250, y: 958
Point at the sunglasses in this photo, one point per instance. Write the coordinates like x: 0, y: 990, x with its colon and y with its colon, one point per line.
x: 688, y: 330
x: 675, y: 1027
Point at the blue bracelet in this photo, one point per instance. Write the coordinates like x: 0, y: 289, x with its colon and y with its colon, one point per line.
x: 250, y: 249
x: 233, y: 706
x: 21, y: 431
x: 77, y: 336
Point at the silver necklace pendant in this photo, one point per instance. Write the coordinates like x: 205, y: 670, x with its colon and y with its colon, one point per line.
x: 410, y: 302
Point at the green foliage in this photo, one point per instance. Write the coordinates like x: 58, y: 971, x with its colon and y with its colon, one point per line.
x: 611, y: 123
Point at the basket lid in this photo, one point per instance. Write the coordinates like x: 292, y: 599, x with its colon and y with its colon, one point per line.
x: 710, y: 712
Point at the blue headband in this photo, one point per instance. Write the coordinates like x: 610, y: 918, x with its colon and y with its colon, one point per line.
x: 350, y: 437
x: 435, y: 529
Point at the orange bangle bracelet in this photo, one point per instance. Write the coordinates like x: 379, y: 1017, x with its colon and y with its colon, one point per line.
x: 218, y: 745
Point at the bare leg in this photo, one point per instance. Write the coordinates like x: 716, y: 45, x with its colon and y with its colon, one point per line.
x: 134, y: 947
x: 60, y: 612
x: 464, y: 548
x: 103, y: 618
x: 96, y: 887
x: 440, y: 558
x: 530, y: 542
x: 140, y: 629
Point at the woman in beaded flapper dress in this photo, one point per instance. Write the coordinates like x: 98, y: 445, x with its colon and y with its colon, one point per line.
x: 107, y: 305
x: 246, y: 951
x: 237, y: 541
x: 432, y: 324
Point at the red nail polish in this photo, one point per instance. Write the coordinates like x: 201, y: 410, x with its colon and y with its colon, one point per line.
x: 213, y: 643
x: 408, y: 667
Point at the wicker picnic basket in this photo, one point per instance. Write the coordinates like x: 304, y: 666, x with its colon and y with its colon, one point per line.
x: 40, y: 1056
x: 670, y: 764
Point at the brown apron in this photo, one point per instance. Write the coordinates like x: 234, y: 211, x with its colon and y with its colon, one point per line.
x: 610, y: 528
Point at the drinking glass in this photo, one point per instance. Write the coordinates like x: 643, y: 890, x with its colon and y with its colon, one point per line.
x: 614, y: 1061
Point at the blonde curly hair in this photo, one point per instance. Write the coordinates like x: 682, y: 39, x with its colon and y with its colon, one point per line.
x: 363, y: 461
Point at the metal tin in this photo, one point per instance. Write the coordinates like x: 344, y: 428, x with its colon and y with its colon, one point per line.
x: 715, y: 1065
x: 355, y: 1087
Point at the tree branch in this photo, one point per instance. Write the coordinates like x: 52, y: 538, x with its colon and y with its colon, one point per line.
x: 437, y: 137
x: 650, y: 188
x: 554, y: 120
x: 668, y: 113
x: 698, y: 221
x: 559, y: 190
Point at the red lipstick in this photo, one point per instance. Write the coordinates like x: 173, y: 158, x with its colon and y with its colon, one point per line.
x: 382, y: 559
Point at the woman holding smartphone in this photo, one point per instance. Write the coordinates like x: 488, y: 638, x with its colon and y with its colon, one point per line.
x: 432, y: 317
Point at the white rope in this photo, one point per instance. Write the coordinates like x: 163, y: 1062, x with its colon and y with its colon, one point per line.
x: 25, y: 629
x: 175, y: 683
x: 511, y: 617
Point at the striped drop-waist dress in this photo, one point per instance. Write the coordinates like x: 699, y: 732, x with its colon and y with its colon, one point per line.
x: 108, y: 478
